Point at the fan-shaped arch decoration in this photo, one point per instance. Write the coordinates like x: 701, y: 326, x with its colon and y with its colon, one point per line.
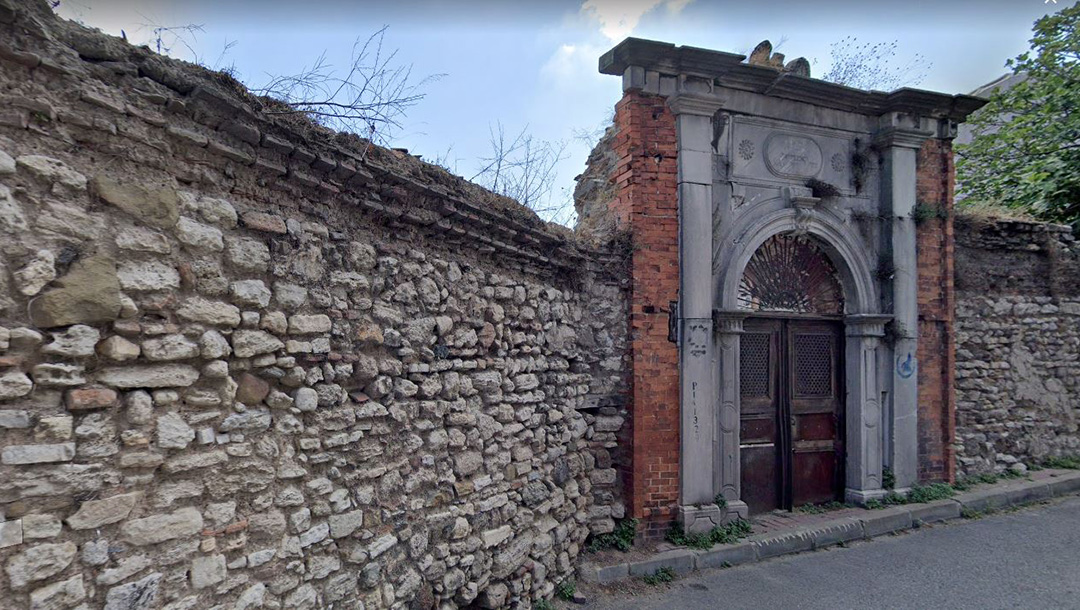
x: 791, y: 273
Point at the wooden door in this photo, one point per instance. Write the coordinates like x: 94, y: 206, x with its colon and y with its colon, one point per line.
x: 815, y: 411
x: 759, y: 424
x: 791, y: 420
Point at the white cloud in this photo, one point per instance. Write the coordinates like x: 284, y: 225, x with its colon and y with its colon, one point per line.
x: 618, y: 18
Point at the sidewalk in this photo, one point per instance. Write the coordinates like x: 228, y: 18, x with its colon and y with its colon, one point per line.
x: 777, y: 534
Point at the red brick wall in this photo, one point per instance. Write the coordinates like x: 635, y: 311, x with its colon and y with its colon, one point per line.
x: 937, y: 358
x: 647, y: 202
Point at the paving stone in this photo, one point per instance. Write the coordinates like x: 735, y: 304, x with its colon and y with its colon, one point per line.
x: 1065, y: 483
x: 1027, y: 492
x: 933, y: 512
x: 680, y: 560
x: 886, y: 521
x: 726, y: 555
x: 772, y: 545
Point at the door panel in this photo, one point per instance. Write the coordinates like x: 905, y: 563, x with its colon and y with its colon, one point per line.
x: 816, y: 449
x: 759, y: 438
x: 791, y: 415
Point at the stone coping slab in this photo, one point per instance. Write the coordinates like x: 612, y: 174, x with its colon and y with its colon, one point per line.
x: 869, y: 524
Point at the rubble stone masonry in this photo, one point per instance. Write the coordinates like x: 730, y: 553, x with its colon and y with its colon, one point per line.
x: 246, y: 362
x: 1017, y: 344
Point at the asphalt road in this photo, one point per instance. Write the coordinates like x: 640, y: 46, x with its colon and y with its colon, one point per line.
x: 1024, y: 559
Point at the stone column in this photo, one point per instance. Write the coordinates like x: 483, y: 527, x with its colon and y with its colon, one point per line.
x: 697, y: 421
x: 899, y: 137
x: 864, y: 408
x: 728, y: 476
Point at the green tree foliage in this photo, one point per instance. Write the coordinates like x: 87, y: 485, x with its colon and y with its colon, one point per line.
x: 1026, y: 148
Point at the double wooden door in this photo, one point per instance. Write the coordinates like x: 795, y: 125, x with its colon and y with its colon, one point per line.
x: 792, y: 417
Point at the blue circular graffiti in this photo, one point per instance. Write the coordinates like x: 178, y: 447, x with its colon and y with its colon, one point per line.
x: 906, y: 367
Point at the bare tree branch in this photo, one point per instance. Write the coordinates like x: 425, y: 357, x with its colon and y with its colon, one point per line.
x: 371, y: 97
x: 524, y: 168
x: 871, y: 66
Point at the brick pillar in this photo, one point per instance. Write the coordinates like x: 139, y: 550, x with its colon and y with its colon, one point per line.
x: 937, y: 340
x: 646, y: 204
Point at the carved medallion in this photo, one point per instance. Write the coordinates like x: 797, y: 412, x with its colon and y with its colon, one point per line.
x: 792, y: 156
x: 838, y: 163
x: 746, y: 149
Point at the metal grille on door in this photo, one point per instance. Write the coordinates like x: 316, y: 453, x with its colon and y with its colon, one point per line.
x: 813, y: 365
x: 754, y: 363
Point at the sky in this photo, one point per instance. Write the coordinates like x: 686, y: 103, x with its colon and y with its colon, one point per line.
x: 532, y: 65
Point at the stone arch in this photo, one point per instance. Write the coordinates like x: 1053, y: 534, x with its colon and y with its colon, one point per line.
x: 843, y: 249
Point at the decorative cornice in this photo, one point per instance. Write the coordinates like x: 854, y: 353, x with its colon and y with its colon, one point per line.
x: 729, y: 70
x: 688, y: 103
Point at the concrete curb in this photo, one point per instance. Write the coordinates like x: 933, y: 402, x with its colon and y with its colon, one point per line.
x: 876, y: 523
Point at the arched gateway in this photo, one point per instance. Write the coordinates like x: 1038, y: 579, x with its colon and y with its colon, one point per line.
x: 791, y: 422
x: 775, y: 213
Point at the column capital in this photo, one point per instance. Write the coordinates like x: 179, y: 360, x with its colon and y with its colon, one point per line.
x: 901, y: 137
x: 866, y: 324
x: 728, y: 322
x: 694, y: 104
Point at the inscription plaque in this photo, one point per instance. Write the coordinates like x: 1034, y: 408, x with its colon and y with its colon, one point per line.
x: 792, y: 156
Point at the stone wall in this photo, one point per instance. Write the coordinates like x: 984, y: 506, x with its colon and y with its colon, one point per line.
x: 246, y: 362
x: 1017, y: 344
